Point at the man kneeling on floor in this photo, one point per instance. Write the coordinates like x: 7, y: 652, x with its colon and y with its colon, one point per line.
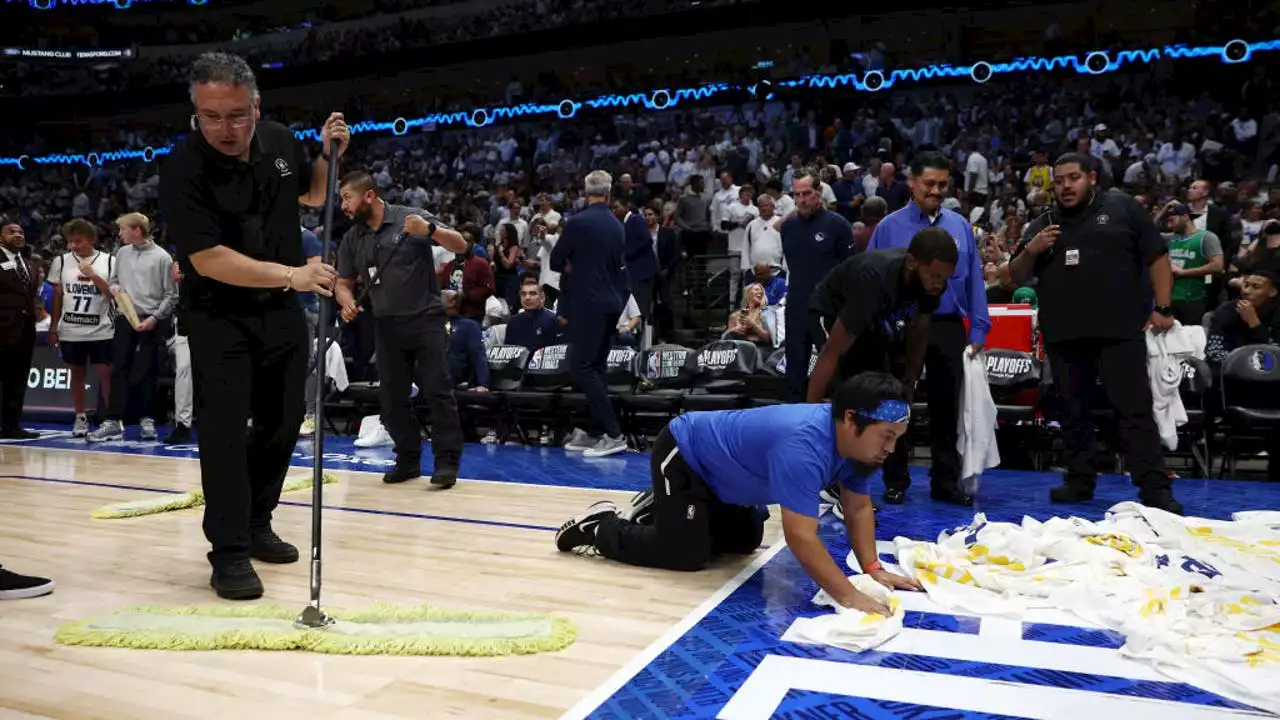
x: 714, y: 473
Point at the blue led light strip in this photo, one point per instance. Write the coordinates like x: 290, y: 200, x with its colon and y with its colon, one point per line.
x: 1092, y: 63
x: 117, y: 4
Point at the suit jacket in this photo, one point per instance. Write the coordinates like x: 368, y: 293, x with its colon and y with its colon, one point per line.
x: 592, y: 244
x: 642, y: 263
x: 17, y: 301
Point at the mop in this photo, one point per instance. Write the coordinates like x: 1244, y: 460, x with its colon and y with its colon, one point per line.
x: 378, y: 630
x: 185, y: 501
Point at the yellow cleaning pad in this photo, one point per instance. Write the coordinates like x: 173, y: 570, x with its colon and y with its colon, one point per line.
x: 379, y: 630
x: 167, y: 503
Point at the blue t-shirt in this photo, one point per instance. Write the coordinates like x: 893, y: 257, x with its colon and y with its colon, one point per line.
x: 310, y: 248
x: 784, y: 454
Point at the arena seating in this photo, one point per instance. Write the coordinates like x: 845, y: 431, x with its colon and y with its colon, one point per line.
x: 535, y: 391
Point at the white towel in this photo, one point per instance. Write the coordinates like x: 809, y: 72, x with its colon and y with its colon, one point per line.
x: 848, y: 628
x: 976, y: 439
x: 1165, y: 352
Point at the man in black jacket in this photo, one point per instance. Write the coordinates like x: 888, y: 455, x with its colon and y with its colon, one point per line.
x: 17, y: 328
x: 594, y: 287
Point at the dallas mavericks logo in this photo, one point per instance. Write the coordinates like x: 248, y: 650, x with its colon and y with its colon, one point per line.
x: 283, y: 167
x: 1263, y: 361
x: 1103, y: 218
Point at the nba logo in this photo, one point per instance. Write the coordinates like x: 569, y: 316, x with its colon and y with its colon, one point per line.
x: 653, y: 366
x: 691, y: 512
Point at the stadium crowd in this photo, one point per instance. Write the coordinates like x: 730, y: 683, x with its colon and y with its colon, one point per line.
x: 716, y: 181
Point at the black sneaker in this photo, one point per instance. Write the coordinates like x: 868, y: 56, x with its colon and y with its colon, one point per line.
x: 444, y: 478
x: 402, y: 472
x: 640, y: 511
x: 180, y: 435
x: 953, y: 495
x: 581, y: 531
x: 1161, y: 500
x: 1068, y: 493
x: 17, y: 433
x: 894, y: 496
x: 236, y: 580
x: 18, y: 587
x: 269, y: 548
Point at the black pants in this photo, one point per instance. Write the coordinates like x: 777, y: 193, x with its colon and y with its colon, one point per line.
x: 690, y: 524
x: 696, y: 242
x: 943, y: 381
x: 245, y: 367
x: 590, y: 338
x: 15, y: 365
x: 1189, y: 312
x: 409, y: 351
x: 1122, y: 365
x: 135, y: 360
x: 642, y: 291
x: 801, y: 337
x: 550, y: 294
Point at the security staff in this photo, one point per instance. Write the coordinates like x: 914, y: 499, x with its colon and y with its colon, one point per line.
x: 965, y: 297
x: 814, y: 240
x: 1089, y: 254
x: 17, y: 328
x: 594, y: 290
x: 389, y: 247
x: 230, y: 193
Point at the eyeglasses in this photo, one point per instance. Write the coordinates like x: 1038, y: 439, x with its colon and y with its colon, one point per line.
x: 210, y: 121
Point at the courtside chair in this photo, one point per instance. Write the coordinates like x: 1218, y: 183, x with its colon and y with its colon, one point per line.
x: 1249, y: 382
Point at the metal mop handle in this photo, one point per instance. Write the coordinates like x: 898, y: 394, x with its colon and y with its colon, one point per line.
x: 313, y: 616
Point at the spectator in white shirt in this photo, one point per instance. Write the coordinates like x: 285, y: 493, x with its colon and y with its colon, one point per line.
x: 628, y: 323
x: 763, y: 241
x: 1103, y: 147
x: 977, y: 178
x: 513, y: 218
x: 657, y: 164
x: 740, y: 213
x: 547, y: 213
x: 725, y: 195
x: 545, y: 236
x: 681, y: 169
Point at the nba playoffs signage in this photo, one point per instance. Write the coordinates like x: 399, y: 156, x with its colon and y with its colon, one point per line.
x: 49, y: 383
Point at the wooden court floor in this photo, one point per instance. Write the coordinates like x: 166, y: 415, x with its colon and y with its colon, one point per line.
x: 440, y: 549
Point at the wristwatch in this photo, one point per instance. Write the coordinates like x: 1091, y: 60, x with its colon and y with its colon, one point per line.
x: 1164, y: 310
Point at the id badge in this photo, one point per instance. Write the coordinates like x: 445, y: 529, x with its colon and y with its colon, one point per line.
x: 11, y: 265
x: 373, y: 273
x: 1073, y: 257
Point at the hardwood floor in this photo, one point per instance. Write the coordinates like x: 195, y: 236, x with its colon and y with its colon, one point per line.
x: 439, y: 548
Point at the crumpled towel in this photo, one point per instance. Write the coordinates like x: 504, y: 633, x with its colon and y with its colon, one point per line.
x: 848, y: 628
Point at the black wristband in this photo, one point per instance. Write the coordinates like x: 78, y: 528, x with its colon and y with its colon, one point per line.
x: 1164, y: 310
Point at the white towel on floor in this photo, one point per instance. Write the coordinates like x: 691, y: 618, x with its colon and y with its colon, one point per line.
x: 848, y: 628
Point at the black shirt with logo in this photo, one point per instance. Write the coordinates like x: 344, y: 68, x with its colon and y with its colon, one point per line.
x: 869, y: 295
x: 209, y: 198
x: 406, y: 285
x: 1093, y: 283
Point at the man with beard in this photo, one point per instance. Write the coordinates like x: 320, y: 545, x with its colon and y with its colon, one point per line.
x: 965, y: 297
x: 229, y: 193
x: 715, y: 473
x: 872, y: 313
x: 17, y: 328
x: 389, y: 247
x: 1089, y: 255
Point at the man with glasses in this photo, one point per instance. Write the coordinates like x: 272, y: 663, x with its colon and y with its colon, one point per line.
x: 230, y: 193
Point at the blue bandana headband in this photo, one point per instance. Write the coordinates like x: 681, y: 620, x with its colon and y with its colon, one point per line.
x: 891, y: 411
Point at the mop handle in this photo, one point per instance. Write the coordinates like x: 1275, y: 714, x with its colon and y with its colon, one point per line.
x: 321, y: 348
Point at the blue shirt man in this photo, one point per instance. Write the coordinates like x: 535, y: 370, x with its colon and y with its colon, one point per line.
x: 964, y: 297
x: 311, y: 248
x: 713, y: 472
x: 532, y: 329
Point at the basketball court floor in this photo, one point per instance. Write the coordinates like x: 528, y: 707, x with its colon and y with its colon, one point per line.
x: 651, y: 644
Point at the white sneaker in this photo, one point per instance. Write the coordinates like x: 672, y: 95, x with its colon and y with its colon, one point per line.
x: 147, y: 428
x: 81, y: 428
x: 109, y: 430
x: 606, y: 446
x: 308, y: 427
x: 579, y: 441
x: 490, y: 438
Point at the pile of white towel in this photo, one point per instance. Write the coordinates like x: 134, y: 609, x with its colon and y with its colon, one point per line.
x: 1198, y: 599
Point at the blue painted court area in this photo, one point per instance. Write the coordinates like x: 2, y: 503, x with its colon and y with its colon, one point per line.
x: 728, y: 658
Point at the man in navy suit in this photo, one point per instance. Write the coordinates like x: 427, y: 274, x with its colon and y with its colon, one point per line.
x: 18, y: 328
x: 641, y: 255
x: 593, y: 280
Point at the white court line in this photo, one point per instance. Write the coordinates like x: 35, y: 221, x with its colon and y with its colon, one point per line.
x: 998, y: 627
x: 1006, y: 650
x: 920, y: 602
x: 762, y: 693
x: 615, y: 682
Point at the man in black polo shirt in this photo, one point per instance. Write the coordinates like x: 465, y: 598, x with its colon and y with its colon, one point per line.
x: 229, y: 193
x: 814, y: 240
x: 1089, y: 255
x: 409, y: 321
x: 872, y: 312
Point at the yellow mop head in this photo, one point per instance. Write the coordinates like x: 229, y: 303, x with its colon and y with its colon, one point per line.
x: 379, y: 630
x: 166, y: 503
x: 124, y: 304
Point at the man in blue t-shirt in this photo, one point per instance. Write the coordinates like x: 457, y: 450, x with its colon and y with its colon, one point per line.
x: 715, y: 472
